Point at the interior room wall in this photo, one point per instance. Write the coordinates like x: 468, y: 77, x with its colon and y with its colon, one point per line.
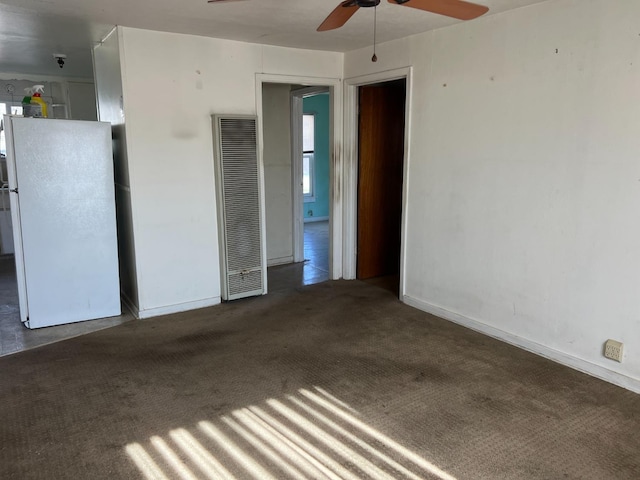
x: 107, y: 66
x: 320, y: 106
x: 276, y: 101
x: 524, y: 178
x: 82, y: 100
x: 173, y: 83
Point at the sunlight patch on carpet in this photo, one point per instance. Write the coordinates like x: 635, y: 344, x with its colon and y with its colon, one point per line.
x: 312, y: 434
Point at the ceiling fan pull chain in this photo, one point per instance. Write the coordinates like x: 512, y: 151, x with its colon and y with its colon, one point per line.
x: 375, y: 23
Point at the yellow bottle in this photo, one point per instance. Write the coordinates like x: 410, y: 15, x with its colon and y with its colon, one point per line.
x: 36, y: 99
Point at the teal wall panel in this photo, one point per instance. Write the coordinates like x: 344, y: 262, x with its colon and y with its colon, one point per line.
x: 319, y: 105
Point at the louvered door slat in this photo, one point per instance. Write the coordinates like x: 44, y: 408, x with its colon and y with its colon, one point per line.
x: 239, y: 206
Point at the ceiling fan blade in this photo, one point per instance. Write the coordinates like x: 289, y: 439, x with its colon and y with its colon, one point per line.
x: 451, y: 8
x: 339, y: 16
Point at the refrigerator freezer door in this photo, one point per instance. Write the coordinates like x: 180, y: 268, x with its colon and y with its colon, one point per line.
x: 63, y: 171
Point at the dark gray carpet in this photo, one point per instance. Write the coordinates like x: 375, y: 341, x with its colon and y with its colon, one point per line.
x: 337, y: 380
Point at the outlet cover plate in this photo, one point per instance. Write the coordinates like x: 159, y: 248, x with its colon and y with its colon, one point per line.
x: 613, y: 350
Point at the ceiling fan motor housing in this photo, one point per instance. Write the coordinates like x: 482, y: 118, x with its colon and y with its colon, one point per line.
x: 361, y: 3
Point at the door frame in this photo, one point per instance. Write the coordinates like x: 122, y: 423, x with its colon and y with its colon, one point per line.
x: 350, y: 245
x: 336, y: 161
x: 297, y: 111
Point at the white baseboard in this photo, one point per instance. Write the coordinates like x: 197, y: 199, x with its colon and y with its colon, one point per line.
x: 576, y: 363
x: 181, y: 307
x: 272, y: 262
x: 315, y: 219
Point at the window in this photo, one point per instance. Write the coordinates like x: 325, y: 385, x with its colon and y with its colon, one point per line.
x: 15, y: 109
x: 307, y: 177
x: 308, y: 153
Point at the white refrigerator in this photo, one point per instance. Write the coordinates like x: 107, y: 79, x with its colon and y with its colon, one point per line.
x: 64, y: 221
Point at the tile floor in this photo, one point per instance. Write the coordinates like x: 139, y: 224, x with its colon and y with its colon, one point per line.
x: 315, y: 268
x: 15, y: 337
x: 316, y: 252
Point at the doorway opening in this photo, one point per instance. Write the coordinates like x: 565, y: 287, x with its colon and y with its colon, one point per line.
x: 315, y: 182
x: 296, y: 159
x: 380, y: 172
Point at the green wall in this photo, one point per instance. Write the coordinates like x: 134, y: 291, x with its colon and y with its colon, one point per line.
x: 319, y: 105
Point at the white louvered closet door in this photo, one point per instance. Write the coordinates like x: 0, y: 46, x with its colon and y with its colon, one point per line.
x: 239, y: 206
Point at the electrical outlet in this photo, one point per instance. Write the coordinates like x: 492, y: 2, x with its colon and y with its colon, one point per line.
x: 613, y: 350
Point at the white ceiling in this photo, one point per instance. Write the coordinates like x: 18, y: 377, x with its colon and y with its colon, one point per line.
x: 31, y: 31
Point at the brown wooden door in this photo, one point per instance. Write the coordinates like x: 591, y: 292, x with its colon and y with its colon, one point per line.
x: 380, y: 175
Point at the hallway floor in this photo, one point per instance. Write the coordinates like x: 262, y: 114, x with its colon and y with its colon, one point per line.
x: 314, y: 269
x: 316, y: 247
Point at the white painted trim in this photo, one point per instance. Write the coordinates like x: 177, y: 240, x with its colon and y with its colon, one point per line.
x: 350, y: 244
x: 296, y: 176
x: 261, y: 185
x: 95, y: 82
x: 181, y: 307
x: 311, y: 157
x: 309, y: 91
x: 130, y: 153
x: 93, y: 67
x: 576, y: 363
x: 272, y: 262
x: 350, y: 194
x: 104, y: 39
x: 336, y: 159
x: 315, y: 219
x: 263, y: 205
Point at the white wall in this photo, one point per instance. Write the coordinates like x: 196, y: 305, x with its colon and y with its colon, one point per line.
x: 82, y: 100
x: 524, y: 179
x: 276, y: 101
x: 107, y: 61
x: 172, y: 84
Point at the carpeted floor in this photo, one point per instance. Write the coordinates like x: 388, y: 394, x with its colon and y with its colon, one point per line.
x: 336, y: 380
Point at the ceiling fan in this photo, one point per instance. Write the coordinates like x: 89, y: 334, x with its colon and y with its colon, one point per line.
x: 459, y: 9
x: 451, y: 8
x: 344, y: 11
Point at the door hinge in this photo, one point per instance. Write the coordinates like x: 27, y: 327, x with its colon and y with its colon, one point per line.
x: 14, y: 190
